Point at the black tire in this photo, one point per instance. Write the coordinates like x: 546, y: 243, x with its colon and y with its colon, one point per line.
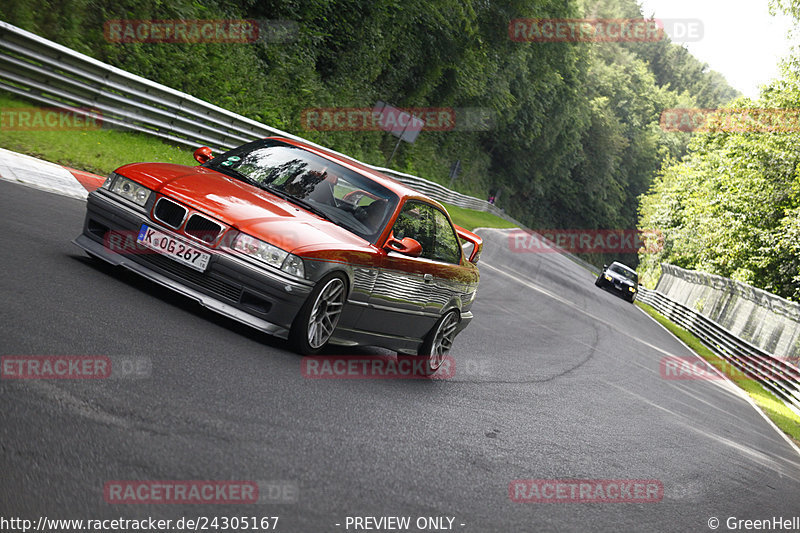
x: 599, y: 281
x: 436, y: 345
x: 305, y: 336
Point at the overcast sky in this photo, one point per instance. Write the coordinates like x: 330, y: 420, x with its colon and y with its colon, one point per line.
x: 740, y: 39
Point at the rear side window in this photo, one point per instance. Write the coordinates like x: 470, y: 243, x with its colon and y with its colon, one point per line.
x: 447, y: 247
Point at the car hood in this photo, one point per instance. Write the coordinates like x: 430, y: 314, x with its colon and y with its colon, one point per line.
x: 241, y: 205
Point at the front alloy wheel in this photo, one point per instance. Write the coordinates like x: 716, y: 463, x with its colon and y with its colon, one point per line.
x: 317, y: 319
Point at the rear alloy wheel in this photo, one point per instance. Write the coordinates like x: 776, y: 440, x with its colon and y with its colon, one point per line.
x: 437, y: 344
x: 317, y: 319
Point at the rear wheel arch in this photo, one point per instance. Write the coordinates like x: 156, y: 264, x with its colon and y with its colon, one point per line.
x: 436, y: 343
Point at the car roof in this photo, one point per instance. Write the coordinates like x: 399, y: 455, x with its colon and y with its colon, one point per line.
x: 403, y: 191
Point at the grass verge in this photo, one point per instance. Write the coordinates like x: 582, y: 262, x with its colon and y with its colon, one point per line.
x: 471, y: 218
x: 102, y: 150
x: 95, y: 150
x: 782, y: 416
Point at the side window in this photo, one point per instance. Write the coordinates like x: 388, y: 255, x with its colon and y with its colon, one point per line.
x: 430, y: 227
x: 447, y: 248
x: 415, y: 221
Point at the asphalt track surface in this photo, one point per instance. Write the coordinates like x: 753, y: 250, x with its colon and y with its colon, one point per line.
x: 555, y: 379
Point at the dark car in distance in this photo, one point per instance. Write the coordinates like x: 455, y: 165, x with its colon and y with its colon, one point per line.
x: 621, y: 279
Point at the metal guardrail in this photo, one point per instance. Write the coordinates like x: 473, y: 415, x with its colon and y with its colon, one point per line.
x: 48, y: 73
x: 763, y: 319
x: 778, y: 377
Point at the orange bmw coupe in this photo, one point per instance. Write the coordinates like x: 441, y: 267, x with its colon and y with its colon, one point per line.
x: 296, y: 241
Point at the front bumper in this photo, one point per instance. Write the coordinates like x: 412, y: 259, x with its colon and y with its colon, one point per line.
x: 624, y: 290
x: 230, y: 286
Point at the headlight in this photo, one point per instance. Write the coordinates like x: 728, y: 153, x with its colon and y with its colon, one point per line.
x: 269, y: 254
x: 128, y: 189
x: 632, y: 289
x: 109, y: 180
x: 607, y: 277
x: 294, y: 265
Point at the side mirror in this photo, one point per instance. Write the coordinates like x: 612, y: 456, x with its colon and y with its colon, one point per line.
x: 203, y: 154
x: 406, y: 245
x: 605, y: 267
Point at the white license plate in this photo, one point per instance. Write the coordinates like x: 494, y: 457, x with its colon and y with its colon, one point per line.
x: 173, y: 248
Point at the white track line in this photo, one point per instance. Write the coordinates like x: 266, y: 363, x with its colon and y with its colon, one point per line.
x: 741, y: 392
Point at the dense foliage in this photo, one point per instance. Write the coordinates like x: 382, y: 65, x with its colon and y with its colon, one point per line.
x: 576, y: 137
x: 732, y: 205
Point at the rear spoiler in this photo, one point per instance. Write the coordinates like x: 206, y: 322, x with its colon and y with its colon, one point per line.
x: 477, y: 242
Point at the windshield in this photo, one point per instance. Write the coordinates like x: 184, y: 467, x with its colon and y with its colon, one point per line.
x: 321, y: 186
x: 624, y: 272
